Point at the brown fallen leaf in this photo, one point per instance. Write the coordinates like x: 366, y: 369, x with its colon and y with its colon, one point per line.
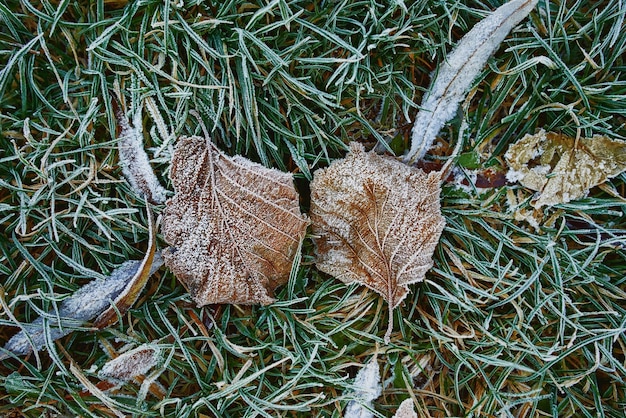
x: 562, y: 169
x: 234, y: 226
x: 376, y: 221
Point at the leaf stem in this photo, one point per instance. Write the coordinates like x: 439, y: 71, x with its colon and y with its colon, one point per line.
x: 387, y: 337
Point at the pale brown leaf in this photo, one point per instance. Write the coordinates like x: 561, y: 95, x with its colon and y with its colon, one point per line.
x: 234, y: 226
x: 376, y: 221
x: 562, y: 169
x: 131, y: 364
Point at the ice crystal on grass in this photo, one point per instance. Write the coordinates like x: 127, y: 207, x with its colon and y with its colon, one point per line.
x: 234, y: 225
x: 455, y: 75
x: 367, y: 389
x: 134, y: 160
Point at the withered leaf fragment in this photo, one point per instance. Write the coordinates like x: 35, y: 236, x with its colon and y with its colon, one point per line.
x: 234, y: 226
x: 376, y: 221
x: 367, y: 389
x: 90, y: 301
x: 562, y: 169
x: 133, y: 158
x: 131, y: 364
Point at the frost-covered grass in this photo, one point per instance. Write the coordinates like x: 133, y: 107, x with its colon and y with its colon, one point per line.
x: 511, y: 321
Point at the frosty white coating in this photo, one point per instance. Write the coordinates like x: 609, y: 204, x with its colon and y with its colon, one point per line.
x: 84, y: 305
x: 134, y: 160
x: 368, y: 388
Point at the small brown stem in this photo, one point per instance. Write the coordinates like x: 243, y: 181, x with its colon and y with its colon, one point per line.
x: 387, y: 337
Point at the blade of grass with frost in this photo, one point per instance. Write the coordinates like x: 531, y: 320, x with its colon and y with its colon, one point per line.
x: 91, y: 300
x: 456, y: 74
x: 367, y: 388
x: 134, y: 160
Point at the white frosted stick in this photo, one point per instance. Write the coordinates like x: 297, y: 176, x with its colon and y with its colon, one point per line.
x: 133, y: 158
x: 456, y: 74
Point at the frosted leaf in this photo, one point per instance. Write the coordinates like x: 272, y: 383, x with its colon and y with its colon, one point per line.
x: 562, y: 169
x: 131, y: 364
x: 127, y: 297
x: 456, y: 74
x: 367, y: 389
x: 406, y: 410
x: 376, y: 221
x: 234, y: 226
x: 84, y: 305
x: 134, y: 160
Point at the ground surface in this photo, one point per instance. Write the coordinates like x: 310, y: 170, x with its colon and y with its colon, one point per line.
x: 512, y: 320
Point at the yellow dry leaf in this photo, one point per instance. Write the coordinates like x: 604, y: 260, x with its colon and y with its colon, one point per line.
x: 562, y: 169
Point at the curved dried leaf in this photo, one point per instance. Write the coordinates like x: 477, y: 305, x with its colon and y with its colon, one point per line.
x: 234, y: 225
x: 562, y: 169
x: 131, y: 291
x: 376, y: 221
x: 85, y: 304
x: 456, y: 74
